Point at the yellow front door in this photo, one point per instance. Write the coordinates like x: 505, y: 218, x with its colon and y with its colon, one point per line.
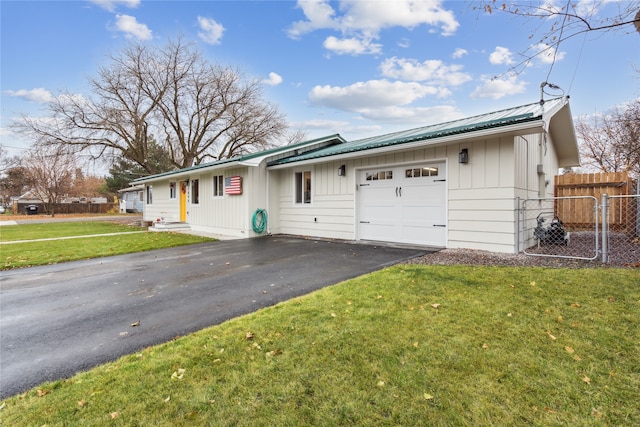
x: 183, y: 201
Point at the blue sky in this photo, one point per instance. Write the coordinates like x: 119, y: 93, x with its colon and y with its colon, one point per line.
x: 358, y: 68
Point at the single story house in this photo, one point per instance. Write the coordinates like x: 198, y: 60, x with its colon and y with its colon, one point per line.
x: 132, y: 199
x: 449, y: 185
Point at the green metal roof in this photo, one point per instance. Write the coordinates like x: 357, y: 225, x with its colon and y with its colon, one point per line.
x: 334, y: 139
x: 497, y: 119
x: 337, y: 145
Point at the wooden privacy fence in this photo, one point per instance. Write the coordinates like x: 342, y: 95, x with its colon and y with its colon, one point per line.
x: 578, y: 214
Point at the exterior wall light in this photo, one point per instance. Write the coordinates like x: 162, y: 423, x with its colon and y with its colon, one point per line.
x: 463, y: 156
x: 342, y: 170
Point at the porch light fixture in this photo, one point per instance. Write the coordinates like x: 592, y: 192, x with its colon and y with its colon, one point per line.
x: 342, y: 170
x: 463, y: 156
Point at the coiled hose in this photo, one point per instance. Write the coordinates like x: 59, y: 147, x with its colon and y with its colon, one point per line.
x: 259, y: 221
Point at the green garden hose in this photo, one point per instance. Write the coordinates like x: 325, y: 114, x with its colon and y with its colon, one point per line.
x: 259, y: 221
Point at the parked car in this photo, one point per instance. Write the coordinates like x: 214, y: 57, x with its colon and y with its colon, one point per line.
x: 2, y: 210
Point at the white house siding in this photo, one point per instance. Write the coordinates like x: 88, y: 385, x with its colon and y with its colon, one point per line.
x: 162, y: 206
x: 331, y: 211
x: 228, y: 214
x: 481, y: 197
x: 529, y: 184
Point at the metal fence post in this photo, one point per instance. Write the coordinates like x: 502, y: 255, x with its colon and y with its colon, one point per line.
x: 517, y: 225
x: 605, y: 228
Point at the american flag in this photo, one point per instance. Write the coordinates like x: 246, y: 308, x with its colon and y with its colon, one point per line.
x: 233, y: 185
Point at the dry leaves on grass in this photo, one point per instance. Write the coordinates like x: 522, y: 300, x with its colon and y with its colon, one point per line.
x: 179, y: 374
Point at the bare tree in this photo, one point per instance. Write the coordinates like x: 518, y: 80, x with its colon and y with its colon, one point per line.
x: 209, y: 111
x: 561, y: 20
x: 50, y: 174
x: 610, y: 142
x: 199, y: 110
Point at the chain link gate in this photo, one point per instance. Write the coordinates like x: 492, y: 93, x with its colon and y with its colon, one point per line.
x: 621, y: 230
x: 562, y: 227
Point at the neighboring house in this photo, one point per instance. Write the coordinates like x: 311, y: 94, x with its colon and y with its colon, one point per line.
x: 27, y: 198
x: 448, y: 185
x: 131, y: 199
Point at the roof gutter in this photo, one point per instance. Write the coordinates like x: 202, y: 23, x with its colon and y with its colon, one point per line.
x: 519, y: 128
x: 186, y: 173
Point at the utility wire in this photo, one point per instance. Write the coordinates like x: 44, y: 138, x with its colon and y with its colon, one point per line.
x: 575, y: 71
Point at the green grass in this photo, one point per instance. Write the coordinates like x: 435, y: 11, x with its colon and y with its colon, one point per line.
x: 12, y: 233
x: 26, y: 254
x: 409, y: 345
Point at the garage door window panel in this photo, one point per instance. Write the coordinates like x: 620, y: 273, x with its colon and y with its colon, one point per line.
x: 423, y: 172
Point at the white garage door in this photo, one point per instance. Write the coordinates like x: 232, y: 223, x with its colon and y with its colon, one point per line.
x: 404, y: 204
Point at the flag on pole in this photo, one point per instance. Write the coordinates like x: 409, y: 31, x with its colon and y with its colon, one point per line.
x: 233, y: 185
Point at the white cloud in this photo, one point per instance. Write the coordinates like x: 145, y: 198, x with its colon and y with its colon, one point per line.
x: 319, y: 15
x: 211, y: 30
x: 351, y: 46
x: 498, y: 88
x: 72, y: 99
x: 38, y: 95
x: 361, y: 96
x: 363, y: 20
x: 421, y: 116
x: 274, y: 79
x: 132, y: 28
x: 501, y: 55
x: 322, y: 127
x: 111, y: 5
x: 322, y: 124
x: 433, y: 71
x: 459, y: 53
x: 404, y: 43
x: 547, y: 54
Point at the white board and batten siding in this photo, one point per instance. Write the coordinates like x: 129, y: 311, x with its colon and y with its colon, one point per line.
x: 162, y: 205
x: 228, y: 214
x: 331, y: 211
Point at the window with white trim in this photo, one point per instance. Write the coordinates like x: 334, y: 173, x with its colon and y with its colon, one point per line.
x: 172, y: 190
x: 195, y: 191
x: 302, y: 187
x: 218, y: 185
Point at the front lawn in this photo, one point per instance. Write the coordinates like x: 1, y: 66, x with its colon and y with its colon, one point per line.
x: 408, y: 345
x: 27, y: 254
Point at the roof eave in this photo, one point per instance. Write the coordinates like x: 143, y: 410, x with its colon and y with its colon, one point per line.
x: 513, y: 129
x: 564, y: 137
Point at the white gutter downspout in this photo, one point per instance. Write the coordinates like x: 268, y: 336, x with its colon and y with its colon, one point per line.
x: 267, y: 205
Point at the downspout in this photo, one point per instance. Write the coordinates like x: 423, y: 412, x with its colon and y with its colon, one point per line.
x: 518, y: 210
x: 268, y: 198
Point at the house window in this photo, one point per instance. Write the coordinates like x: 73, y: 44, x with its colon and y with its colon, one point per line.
x: 421, y: 172
x: 303, y: 187
x: 195, y: 191
x: 149, y: 194
x: 172, y: 190
x: 374, y: 176
x: 218, y: 186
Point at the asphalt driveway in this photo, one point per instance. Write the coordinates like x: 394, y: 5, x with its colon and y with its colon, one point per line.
x: 60, y: 319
